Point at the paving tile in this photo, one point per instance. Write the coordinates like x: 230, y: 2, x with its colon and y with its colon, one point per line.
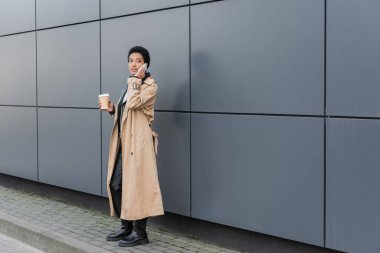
x: 108, y: 247
x: 229, y: 251
x: 121, y: 250
x: 92, y: 226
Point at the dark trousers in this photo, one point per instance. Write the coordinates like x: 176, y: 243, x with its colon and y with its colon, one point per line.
x: 115, y: 185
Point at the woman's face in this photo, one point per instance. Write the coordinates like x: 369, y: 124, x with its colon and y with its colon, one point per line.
x: 135, y: 61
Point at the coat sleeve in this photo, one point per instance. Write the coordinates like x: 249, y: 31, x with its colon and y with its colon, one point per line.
x: 140, y: 95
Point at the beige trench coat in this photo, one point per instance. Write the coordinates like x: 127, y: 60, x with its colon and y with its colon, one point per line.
x: 141, y: 195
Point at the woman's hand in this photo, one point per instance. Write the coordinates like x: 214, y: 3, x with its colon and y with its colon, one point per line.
x: 110, y: 109
x: 141, y: 72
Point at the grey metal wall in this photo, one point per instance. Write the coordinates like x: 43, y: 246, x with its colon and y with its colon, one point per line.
x: 267, y: 114
x: 353, y: 85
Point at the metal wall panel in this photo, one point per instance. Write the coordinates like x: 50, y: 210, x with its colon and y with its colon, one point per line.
x: 197, y: 1
x: 18, y: 139
x: 62, y: 12
x: 16, y: 16
x: 174, y: 160
x: 18, y: 69
x: 352, y: 203
x: 259, y: 173
x: 68, y: 67
x: 69, y: 148
x: 353, y: 58
x: 169, y: 50
x: 258, y: 56
x: 121, y: 7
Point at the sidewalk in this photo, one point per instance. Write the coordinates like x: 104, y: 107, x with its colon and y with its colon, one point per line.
x: 52, y: 226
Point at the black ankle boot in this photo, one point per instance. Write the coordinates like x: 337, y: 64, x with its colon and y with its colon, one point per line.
x: 126, y: 229
x: 138, y: 235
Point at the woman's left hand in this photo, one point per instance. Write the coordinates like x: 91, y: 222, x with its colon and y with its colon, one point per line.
x: 140, y: 72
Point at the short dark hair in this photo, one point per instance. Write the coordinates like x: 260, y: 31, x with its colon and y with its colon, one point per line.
x: 141, y: 50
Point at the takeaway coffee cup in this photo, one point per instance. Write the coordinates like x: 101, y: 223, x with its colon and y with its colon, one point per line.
x: 104, y: 100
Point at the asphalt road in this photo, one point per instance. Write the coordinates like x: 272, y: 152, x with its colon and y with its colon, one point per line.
x: 10, y: 245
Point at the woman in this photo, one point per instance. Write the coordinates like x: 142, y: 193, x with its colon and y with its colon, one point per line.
x: 132, y: 181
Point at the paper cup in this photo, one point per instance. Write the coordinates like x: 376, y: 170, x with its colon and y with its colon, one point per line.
x: 104, y: 100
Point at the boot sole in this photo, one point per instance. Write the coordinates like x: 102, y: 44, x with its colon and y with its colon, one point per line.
x: 114, y: 239
x: 144, y: 241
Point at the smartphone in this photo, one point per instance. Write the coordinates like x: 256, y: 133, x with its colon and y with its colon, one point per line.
x: 145, y: 67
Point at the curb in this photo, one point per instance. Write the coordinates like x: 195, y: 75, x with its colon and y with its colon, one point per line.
x: 42, y: 238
